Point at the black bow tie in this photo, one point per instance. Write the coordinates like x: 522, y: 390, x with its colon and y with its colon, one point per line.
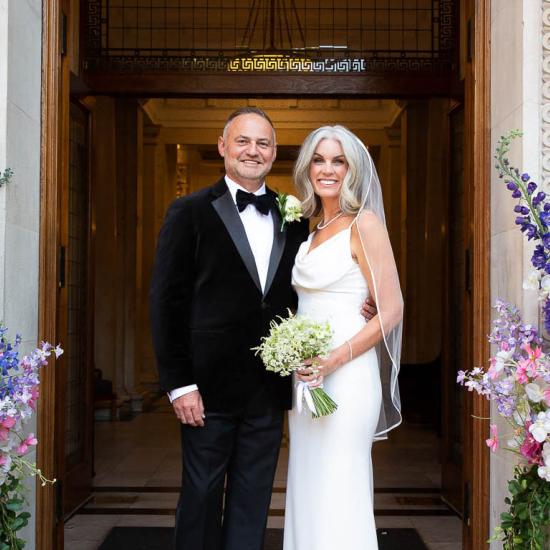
x: 261, y: 202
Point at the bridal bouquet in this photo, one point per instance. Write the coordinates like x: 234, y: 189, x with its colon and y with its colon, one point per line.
x: 19, y: 383
x: 291, y: 342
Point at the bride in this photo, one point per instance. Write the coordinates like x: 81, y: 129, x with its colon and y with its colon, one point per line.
x: 329, y: 502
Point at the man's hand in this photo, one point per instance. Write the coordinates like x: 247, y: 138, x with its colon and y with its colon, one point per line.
x: 368, y: 309
x: 189, y: 409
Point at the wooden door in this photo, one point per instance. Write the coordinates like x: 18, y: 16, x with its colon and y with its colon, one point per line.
x: 457, y: 319
x: 76, y: 317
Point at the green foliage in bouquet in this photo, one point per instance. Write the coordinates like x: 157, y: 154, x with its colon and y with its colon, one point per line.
x: 13, y: 517
x: 525, y: 525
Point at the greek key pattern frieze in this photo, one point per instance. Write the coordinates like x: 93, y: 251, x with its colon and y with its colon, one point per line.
x: 197, y: 37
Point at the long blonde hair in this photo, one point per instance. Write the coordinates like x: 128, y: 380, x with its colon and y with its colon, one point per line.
x: 352, y: 186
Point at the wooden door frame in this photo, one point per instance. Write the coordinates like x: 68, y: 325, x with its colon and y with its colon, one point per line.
x: 53, y: 169
x: 54, y: 164
x: 477, y: 172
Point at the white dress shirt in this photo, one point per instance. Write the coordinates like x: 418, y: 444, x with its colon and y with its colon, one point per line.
x: 259, y: 232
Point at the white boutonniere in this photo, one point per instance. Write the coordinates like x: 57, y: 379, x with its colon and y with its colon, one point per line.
x: 290, y: 208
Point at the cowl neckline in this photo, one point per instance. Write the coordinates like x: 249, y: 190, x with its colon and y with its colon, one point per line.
x: 325, y: 264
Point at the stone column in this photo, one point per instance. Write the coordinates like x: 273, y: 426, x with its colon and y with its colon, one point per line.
x: 128, y: 136
x: 153, y: 179
x: 20, y: 114
x: 519, y: 71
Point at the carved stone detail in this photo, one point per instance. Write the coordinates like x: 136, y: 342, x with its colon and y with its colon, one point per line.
x: 545, y: 99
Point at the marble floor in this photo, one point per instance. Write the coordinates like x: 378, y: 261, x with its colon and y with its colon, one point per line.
x: 137, y: 466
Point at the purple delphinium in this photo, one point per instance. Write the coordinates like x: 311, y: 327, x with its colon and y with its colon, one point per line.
x: 534, y: 218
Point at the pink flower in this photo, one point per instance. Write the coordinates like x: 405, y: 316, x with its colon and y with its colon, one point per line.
x: 34, y: 396
x: 492, y: 443
x: 521, y: 371
x: 530, y: 447
x: 8, y: 422
x: 26, y: 443
x: 531, y: 361
x: 547, y: 396
x: 3, y: 459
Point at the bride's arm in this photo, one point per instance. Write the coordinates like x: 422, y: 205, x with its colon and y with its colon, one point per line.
x: 371, y: 248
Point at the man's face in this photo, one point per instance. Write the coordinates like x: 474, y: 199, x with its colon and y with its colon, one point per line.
x: 248, y: 150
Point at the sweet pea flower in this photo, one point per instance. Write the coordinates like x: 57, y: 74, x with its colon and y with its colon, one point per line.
x: 521, y: 372
x: 534, y: 392
x: 499, y: 361
x: 541, y: 426
x: 492, y: 443
x: 530, y: 448
x: 4, y: 434
x: 26, y: 443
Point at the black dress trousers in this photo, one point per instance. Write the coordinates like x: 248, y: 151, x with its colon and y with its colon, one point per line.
x: 245, y: 445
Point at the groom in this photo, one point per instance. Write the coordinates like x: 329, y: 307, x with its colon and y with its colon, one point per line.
x: 222, y: 274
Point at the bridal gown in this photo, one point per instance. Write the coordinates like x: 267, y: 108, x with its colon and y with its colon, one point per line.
x: 329, y: 499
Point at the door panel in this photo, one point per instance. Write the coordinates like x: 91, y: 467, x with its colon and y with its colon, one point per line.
x: 455, y: 355
x: 78, y: 316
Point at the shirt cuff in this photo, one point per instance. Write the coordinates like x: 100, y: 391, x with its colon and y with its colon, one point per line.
x: 178, y: 392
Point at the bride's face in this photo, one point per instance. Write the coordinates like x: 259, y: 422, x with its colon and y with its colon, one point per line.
x: 327, y: 169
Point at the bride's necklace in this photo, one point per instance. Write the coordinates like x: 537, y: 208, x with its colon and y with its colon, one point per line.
x: 322, y: 225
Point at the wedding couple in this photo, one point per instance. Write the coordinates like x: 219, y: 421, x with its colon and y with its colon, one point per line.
x: 224, y: 270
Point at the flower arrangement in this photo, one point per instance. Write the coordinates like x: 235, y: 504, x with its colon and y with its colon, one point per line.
x: 518, y: 381
x: 533, y: 217
x: 518, y: 377
x: 289, y: 207
x: 291, y: 342
x: 19, y: 382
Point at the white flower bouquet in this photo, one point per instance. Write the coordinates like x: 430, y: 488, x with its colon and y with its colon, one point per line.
x: 291, y: 342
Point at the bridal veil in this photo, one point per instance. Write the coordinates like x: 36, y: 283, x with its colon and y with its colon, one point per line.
x: 362, y: 196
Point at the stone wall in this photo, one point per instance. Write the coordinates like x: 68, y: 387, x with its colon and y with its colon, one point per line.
x: 20, y: 86
x: 516, y: 62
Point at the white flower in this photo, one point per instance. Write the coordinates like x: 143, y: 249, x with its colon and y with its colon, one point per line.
x: 541, y: 426
x: 546, y: 453
x: 293, y: 202
x: 544, y: 287
x: 290, y: 208
x: 533, y: 280
x: 544, y: 473
x: 534, y: 392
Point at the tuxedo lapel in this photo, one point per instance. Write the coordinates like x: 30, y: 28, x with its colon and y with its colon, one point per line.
x: 279, y: 240
x: 225, y: 207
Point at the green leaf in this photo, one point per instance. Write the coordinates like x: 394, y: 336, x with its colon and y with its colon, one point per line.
x: 15, y: 505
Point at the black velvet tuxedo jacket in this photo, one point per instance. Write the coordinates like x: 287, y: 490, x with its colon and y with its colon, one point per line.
x: 206, y: 304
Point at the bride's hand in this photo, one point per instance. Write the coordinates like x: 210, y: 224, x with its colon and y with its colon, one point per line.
x: 310, y: 372
x: 316, y: 369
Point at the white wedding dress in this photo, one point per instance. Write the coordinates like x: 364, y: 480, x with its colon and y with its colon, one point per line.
x: 329, y: 499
